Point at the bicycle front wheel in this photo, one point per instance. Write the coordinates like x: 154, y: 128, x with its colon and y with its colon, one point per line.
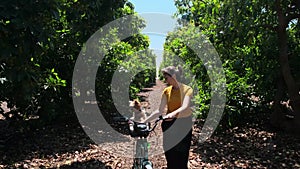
x: 147, y: 165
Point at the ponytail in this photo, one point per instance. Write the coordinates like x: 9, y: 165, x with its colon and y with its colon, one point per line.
x: 179, y: 73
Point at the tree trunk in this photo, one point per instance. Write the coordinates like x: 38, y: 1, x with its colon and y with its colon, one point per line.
x: 292, y: 88
x: 277, y: 114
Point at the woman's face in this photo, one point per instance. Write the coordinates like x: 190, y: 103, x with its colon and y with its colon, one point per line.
x: 168, y: 79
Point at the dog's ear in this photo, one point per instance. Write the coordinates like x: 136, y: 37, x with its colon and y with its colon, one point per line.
x: 137, y: 103
x: 131, y: 103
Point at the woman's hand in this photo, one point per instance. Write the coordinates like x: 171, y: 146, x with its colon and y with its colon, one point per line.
x: 170, y: 116
x: 153, y: 116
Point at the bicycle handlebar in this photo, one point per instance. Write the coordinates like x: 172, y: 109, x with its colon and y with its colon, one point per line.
x: 121, y: 119
x: 155, y: 123
x: 138, y: 129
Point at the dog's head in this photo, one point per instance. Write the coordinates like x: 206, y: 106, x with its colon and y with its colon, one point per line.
x: 138, y: 110
x: 135, y: 104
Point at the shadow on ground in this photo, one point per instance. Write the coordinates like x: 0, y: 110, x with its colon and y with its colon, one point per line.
x: 248, y: 147
x: 91, y: 164
x: 50, y: 146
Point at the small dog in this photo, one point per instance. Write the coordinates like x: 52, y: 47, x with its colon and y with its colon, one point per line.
x: 138, y: 112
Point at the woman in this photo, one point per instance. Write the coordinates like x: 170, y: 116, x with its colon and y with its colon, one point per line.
x: 177, y: 126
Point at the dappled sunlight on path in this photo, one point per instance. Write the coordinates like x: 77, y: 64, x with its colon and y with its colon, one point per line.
x: 67, y: 146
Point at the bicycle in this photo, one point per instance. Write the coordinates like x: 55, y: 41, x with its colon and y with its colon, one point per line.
x: 140, y: 131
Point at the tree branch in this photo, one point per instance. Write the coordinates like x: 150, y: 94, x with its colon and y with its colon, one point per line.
x: 282, y: 19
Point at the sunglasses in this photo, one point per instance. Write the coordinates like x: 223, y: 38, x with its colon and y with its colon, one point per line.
x: 166, y: 76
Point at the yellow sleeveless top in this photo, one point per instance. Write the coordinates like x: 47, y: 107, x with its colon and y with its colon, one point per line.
x: 175, y: 99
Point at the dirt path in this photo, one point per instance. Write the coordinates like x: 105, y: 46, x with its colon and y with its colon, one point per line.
x: 125, y: 150
x: 67, y: 146
x: 154, y: 95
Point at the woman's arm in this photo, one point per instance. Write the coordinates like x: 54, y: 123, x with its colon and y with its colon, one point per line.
x: 157, y: 113
x: 184, y: 106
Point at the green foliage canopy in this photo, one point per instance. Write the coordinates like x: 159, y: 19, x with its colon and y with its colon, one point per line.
x: 245, y: 34
x: 40, y: 42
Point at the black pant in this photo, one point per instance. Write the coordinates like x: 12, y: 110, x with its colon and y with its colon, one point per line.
x: 177, y: 142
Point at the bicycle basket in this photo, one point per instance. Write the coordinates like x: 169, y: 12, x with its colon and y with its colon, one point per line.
x: 139, y: 129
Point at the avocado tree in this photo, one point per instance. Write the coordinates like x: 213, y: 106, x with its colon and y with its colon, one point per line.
x: 40, y: 42
x: 255, y: 40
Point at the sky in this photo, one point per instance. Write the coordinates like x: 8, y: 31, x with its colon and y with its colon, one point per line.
x: 155, y: 6
x: 164, y: 6
x: 160, y: 6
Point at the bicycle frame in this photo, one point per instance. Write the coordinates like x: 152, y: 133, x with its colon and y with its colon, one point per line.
x: 141, y: 160
x: 141, y: 131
